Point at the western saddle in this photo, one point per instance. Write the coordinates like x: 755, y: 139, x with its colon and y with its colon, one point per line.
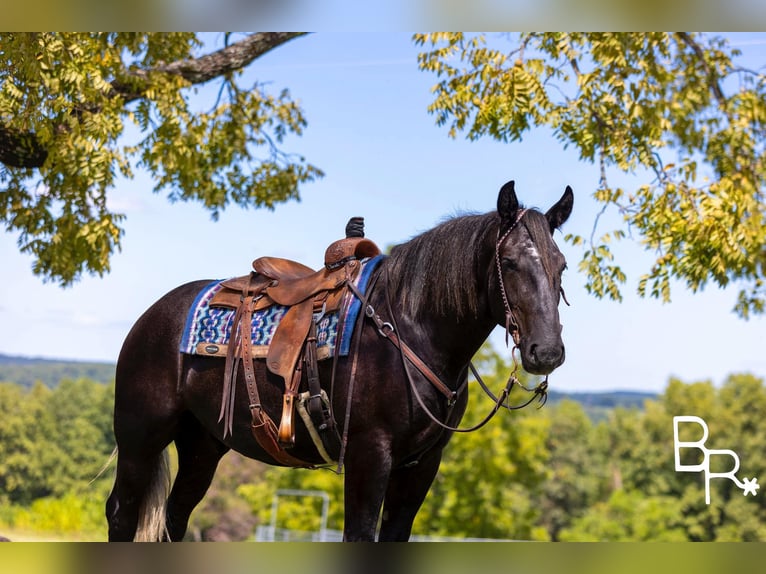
x: 277, y: 281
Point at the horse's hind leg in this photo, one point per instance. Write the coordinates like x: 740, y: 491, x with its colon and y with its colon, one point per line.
x: 198, y: 456
x: 138, y: 475
x: 144, y: 425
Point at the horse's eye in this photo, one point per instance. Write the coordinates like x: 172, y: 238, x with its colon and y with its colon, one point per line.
x: 510, y: 264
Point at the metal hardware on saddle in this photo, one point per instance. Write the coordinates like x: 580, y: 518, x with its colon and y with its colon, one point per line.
x: 292, y: 353
x: 319, y: 411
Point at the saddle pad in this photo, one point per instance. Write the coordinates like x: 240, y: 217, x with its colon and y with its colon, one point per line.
x: 207, y: 329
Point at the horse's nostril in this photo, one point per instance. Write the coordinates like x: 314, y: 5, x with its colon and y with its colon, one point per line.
x: 543, y: 356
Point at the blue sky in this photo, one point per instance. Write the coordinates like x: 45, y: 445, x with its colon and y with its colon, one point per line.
x: 386, y: 160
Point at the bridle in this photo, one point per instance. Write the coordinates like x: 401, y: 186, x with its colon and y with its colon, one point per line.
x: 511, y: 323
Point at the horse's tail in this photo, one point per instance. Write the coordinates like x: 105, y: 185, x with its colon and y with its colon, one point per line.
x: 151, y: 516
x: 104, y: 468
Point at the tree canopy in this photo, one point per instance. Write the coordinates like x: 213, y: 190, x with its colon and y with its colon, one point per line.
x: 67, y: 99
x: 673, y: 108
x: 80, y: 110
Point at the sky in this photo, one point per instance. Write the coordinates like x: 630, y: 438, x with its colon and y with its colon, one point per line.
x: 385, y: 159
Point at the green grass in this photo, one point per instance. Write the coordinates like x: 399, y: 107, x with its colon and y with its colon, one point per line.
x: 21, y: 535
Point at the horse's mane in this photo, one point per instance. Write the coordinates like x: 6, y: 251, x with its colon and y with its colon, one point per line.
x: 437, y: 270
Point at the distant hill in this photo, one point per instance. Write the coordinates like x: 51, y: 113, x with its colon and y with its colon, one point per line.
x: 610, y: 399
x: 26, y: 371
x: 598, y: 405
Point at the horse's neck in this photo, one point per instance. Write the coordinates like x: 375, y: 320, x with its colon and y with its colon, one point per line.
x: 457, y: 342
x: 446, y: 338
x: 444, y: 342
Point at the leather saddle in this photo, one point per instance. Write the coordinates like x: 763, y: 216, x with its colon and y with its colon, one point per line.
x: 304, y: 291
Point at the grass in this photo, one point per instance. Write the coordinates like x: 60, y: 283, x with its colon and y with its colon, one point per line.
x: 21, y: 535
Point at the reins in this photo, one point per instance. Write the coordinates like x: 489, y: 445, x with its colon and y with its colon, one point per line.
x: 389, y: 331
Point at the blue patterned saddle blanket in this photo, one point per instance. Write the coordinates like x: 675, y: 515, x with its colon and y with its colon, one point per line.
x: 207, y: 329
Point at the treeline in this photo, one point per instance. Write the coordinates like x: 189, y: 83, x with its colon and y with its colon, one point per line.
x: 53, y: 443
x: 548, y: 474
x: 28, y: 371
x: 558, y: 474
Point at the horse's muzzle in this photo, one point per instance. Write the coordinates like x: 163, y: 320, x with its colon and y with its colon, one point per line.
x: 542, y: 359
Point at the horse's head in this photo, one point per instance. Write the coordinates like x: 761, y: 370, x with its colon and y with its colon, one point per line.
x: 528, y: 267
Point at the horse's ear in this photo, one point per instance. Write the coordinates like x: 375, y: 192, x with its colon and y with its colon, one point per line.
x: 560, y: 212
x: 507, y: 204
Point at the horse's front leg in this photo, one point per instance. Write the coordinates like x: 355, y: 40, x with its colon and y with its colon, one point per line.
x: 407, y: 489
x: 368, y: 465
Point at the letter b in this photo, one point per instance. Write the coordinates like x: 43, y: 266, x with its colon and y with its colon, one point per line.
x: 700, y: 444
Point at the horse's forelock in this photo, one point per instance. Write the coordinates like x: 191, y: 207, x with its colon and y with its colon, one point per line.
x: 539, y: 232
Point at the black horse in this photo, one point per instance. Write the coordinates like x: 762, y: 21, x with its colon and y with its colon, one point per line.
x: 444, y: 291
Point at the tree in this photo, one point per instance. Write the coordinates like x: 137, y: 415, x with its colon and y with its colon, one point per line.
x: 224, y: 515
x: 54, y: 441
x: 577, y: 468
x: 674, y: 109
x: 487, y: 479
x: 67, y: 100
x: 630, y: 516
x: 300, y: 513
x: 648, y: 499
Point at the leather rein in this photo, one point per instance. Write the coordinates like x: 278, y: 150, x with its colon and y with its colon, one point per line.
x: 389, y: 331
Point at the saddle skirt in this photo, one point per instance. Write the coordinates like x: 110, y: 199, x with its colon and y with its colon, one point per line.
x: 208, y: 324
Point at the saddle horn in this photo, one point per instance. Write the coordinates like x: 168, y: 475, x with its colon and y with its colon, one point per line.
x: 355, y: 227
x: 354, y: 245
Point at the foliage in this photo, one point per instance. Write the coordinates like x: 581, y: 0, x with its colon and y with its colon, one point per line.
x: 672, y: 505
x: 548, y: 474
x: 296, y: 513
x: 66, y: 100
x: 225, y: 515
x: 630, y: 516
x: 577, y: 474
x: 70, y: 514
x: 53, y: 442
x: 53, y: 445
x: 675, y: 109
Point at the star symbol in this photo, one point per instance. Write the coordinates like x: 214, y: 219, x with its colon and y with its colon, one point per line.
x: 750, y: 486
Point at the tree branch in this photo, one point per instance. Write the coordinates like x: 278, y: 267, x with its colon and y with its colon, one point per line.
x: 207, y: 67
x: 24, y: 150
x: 715, y: 87
x: 20, y: 149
